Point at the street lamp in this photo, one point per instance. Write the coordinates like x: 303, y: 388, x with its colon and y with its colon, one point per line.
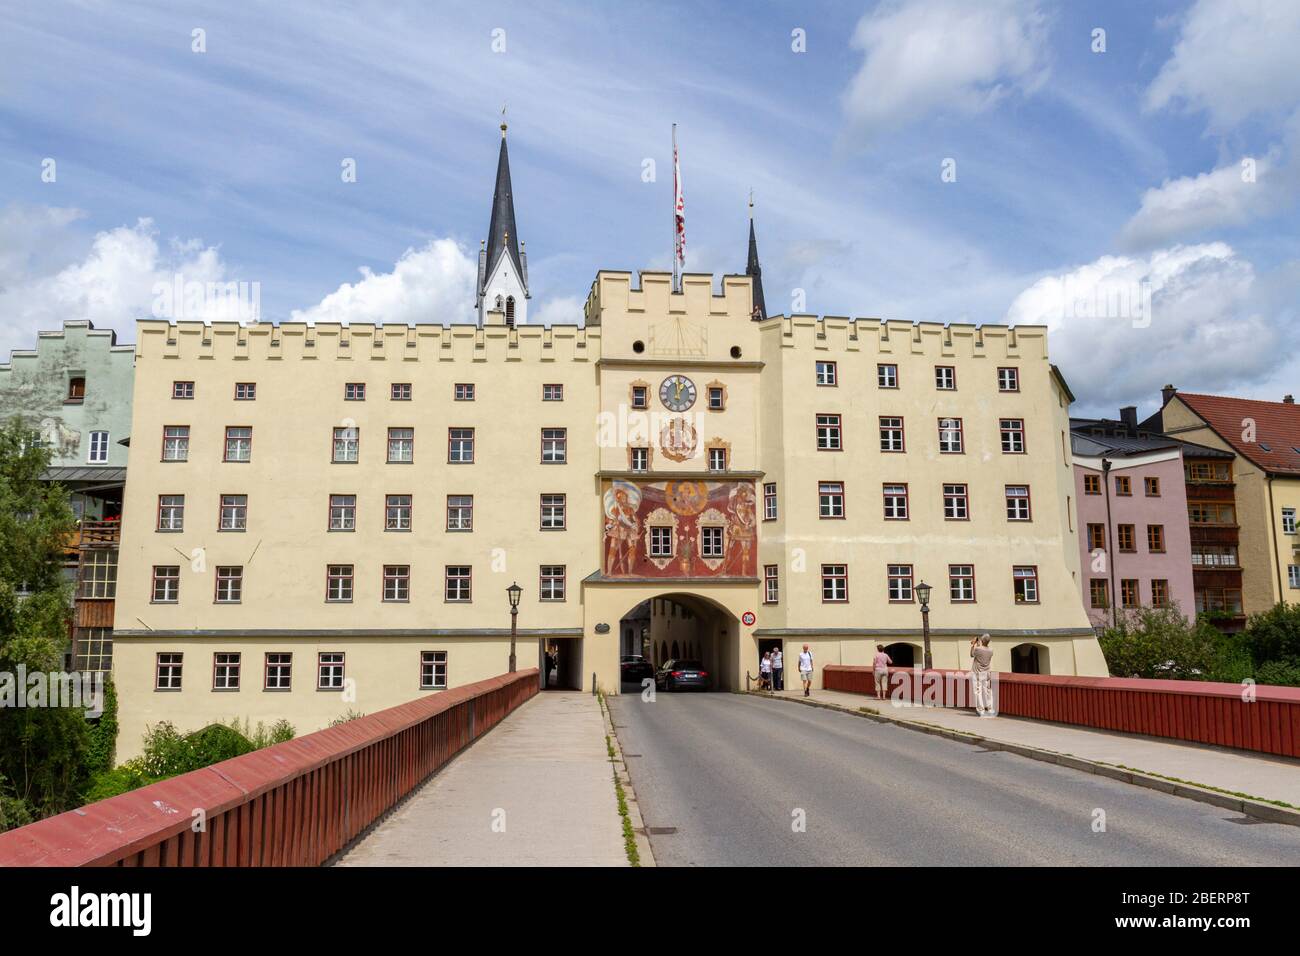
x: 514, y: 591
x: 923, y: 592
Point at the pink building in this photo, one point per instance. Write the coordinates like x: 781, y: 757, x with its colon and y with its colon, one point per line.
x: 1134, y: 542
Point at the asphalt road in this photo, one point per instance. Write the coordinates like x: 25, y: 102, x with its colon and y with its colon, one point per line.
x: 724, y: 779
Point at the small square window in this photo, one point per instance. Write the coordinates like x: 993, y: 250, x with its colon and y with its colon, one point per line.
x: 245, y: 391
x: 826, y: 373
x: 401, y: 392
x: 463, y: 392
x: 182, y: 389
x: 552, y: 393
x: 354, y: 392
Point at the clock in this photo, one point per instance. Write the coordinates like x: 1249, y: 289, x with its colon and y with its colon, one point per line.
x: 677, y: 393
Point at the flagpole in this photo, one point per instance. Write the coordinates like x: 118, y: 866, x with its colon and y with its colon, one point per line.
x: 676, y: 279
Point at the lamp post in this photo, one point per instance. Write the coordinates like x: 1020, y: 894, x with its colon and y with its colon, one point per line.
x: 514, y: 591
x: 923, y: 592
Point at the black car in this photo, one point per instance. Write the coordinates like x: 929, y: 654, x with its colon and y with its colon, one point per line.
x: 677, y: 675
x: 635, y: 668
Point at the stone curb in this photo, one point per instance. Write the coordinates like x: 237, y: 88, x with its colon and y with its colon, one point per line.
x: 1258, y: 809
x: 629, y: 793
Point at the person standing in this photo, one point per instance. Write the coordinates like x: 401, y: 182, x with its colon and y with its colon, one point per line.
x: 765, y: 672
x: 981, y: 661
x: 806, y: 670
x: 778, y: 669
x: 880, y: 665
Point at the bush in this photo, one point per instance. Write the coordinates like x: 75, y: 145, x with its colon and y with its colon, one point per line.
x: 1278, y: 673
x: 1275, y: 634
x: 110, y: 783
x: 1158, y: 642
x: 102, y: 741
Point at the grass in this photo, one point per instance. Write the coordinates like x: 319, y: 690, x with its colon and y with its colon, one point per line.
x: 1206, y: 786
x: 629, y: 835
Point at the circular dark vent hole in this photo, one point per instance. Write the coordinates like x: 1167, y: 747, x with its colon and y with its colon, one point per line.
x: 638, y: 346
x: 735, y: 351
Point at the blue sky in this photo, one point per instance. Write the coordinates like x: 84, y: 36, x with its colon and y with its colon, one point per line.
x: 1075, y: 170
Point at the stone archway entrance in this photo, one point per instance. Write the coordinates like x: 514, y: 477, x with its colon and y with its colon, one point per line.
x: 682, y: 625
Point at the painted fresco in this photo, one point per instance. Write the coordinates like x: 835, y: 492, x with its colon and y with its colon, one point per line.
x: 633, y: 509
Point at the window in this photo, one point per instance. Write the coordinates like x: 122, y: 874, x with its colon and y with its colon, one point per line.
x: 1013, y: 435
x: 1092, y: 484
x: 1293, y: 575
x: 329, y: 670
x: 401, y: 392
x: 950, y: 436
x: 900, y: 583
x: 279, y: 671
x: 1214, y: 555
x: 771, y: 584
x: 1152, y: 486
x: 401, y: 445
x: 1017, y: 502
x: 354, y: 392
x: 460, y: 446
x: 1288, y: 521
x: 230, y: 584
x: 945, y: 377
x: 1096, y: 537
x: 1008, y: 380
x: 830, y: 499
x: 828, y: 433
x: 343, y: 513
x: 640, y: 396
x: 225, y: 670
x: 1208, y: 471
x: 397, y: 512
x: 1156, y: 538
x: 1025, y: 584
x: 463, y: 392
x: 1159, y: 592
x: 711, y: 541
x: 887, y: 376
x: 1099, y: 593
x: 552, y: 393
x: 956, y: 503
x: 460, y: 512
x: 171, y: 512
x: 551, y: 586
x: 239, y: 443
x: 338, y: 583
x: 717, y: 459
x: 433, y: 670
x: 458, y: 582
x: 1211, y: 512
x: 1128, y: 592
x: 555, y: 443
x: 553, y: 512
x: 961, y: 583
x: 661, y: 542
x: 769, y: 501
x: 638, y: 459
x: 97, y: 577
x: 76, y: 389
x: 835, y: 583
x: 98, y: 448
x: 895, y: 502
x: 245, y: 391
x: 176, y: 443
x: 826, y: 373
x: 891, y: 433
x: 1123, y: 485
x: 1218, y: 599
x: 94, y: 649
x: 233, y: 514
x: 182, y: 389
x: 1125, y: 536
x: 347, y: 443
x: 166, y: 584
x: 717, y: 398
x: 167, y: 672
x: 397, y: 583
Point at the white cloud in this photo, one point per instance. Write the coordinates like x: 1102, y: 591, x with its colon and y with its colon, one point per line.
x: 561, y: 310
x: 1233, y: 58
x: 1207, y: 328
x: 924, y: 56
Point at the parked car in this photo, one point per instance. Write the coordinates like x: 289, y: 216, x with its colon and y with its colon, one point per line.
x: 681, y: 674
x: 635, y: 668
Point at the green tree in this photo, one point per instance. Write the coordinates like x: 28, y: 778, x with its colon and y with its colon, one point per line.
x: 1273, y: 637
x: 1158, y: 642
x: 41, y: 748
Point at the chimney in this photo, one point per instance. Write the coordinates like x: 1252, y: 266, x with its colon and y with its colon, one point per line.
x: 1129, y: 416
x: 1167, y: 393
x: 1288, y: 399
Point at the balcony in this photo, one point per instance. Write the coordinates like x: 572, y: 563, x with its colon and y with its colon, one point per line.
x: 97, y: 534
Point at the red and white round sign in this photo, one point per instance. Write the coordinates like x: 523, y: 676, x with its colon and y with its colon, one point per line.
x: 748, y: 619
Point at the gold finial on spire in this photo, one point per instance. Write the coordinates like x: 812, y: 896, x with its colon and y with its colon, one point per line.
x: 503, y: 121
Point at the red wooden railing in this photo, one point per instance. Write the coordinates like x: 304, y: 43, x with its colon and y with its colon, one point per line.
x: 293, y: 804
x: 1260, y: 718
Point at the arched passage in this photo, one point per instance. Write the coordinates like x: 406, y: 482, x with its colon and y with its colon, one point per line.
x: 903, y: 655
x: 684, y: 626
x: 1030, y: 659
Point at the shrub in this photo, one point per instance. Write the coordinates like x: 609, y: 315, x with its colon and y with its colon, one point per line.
x: 1158, y: 642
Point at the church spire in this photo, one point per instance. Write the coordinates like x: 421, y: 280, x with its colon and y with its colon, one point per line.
x: 503, y: 270
x: 753, y: 269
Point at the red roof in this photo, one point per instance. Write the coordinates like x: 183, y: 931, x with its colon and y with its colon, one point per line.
x: 1276, y: 428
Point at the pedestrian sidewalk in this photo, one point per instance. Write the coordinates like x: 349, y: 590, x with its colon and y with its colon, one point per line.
x: 537, y: 790
x: 1262, y: 776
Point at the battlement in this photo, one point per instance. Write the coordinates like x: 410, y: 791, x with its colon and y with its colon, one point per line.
x: 901, y: 337
x: 614, y: 292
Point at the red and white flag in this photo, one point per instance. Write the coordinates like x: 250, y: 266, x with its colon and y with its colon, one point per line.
x: 679, y: 208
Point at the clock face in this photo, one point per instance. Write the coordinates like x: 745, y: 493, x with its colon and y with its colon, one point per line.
x: 677, y: 393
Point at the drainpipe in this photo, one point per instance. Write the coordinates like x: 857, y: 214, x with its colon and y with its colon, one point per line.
x: 1277, y: 558
x: 1110, y: 546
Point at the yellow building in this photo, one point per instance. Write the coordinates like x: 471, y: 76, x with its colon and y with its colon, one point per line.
x: 326, y: 519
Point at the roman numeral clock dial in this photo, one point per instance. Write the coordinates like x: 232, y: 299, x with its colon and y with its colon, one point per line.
x: 677, y: 393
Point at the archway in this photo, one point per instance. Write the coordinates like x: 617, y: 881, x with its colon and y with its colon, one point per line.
x: 684, y: 626
x: 1030, y: 659
x: 903, y: 655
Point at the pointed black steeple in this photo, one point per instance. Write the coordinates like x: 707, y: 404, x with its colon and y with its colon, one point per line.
x: 753, y: 269
x: 503, y: 234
